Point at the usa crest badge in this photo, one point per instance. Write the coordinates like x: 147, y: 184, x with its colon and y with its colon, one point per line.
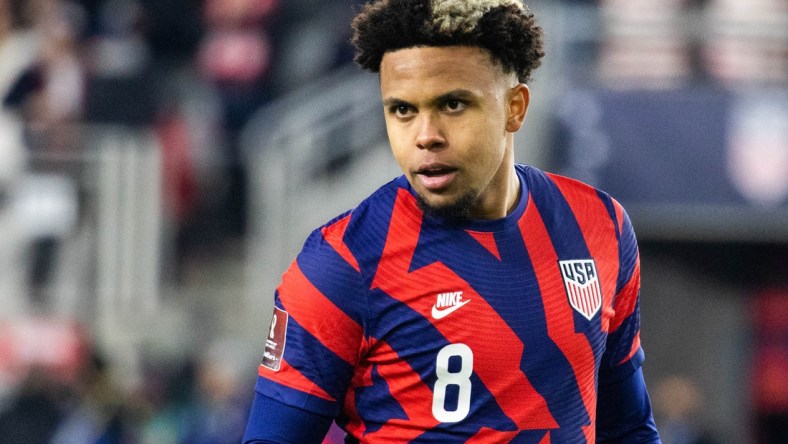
x: 582, y: 286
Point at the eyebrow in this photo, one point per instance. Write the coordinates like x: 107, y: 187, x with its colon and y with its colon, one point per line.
x: 456, y: 94
x: 393, y: 101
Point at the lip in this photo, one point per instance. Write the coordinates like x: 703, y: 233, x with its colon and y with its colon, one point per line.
x: 435, y: 176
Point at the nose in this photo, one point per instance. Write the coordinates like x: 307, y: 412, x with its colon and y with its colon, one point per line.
x: 430, y: 135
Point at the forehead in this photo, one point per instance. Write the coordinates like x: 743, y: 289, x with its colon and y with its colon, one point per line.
x: 429, y: 69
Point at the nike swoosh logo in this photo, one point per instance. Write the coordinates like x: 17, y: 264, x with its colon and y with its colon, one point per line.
x: 438, y: 313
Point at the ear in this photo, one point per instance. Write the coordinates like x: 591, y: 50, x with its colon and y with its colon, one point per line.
x: 518, y: 99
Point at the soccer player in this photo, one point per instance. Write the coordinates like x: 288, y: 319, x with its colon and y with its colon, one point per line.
x: 472, y: 299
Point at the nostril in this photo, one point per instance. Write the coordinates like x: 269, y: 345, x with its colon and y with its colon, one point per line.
x: 430, y: 143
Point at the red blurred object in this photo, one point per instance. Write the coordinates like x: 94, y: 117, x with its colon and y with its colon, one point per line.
x: 770, y: 372
x: 237, y: 56
x: 769, y: 379
x: 179, y: 181
x: 57, y: 347
x: 229, y: 12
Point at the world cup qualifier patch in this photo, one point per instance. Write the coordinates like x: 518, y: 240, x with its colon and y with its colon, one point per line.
x: 582, y: 286
x: 275, y: 344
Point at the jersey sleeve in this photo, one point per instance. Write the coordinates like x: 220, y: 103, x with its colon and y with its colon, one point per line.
x: 273, y: 422
x: 316, y: 333
x: 623, y: 354
x: 624, y: 413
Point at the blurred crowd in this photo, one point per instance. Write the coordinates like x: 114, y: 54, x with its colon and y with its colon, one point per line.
x: 675, y: 43
x: 73, y: 398
x: 192, y: 73
x: 193, y: 70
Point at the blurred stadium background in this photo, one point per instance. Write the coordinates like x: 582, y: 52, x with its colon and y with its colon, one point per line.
x: 161, y: 162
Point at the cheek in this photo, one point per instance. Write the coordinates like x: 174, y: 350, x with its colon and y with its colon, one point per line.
x: 486, y: 156
x: 400, y: 158
x: 401, y: 137
x: 483, y: 146
x: 399, y: 146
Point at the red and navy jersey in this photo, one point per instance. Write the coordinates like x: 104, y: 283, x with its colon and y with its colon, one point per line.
x: 406, y: 327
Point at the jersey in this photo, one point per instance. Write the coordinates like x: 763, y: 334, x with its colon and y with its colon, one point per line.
x: 406, y: 327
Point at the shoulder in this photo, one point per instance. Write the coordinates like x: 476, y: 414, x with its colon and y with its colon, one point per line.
x: 370, y: 212
x: 353, y: 234
x: 376, y: 206
x: 548, y: 186
x: 566, y: 184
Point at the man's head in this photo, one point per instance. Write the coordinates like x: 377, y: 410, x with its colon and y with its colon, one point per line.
x: 452, y: 76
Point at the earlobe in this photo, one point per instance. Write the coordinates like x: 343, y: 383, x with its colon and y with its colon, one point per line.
x: 519, y: 98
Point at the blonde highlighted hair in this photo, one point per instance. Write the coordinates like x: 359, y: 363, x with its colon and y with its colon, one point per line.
x: 458, y: 15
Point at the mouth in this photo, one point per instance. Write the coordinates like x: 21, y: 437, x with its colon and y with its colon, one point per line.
x: 435, y: 177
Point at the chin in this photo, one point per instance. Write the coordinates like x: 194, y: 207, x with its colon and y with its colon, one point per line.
x: 457, y: 209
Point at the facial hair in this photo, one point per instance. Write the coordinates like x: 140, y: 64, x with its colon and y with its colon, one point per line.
x: 457, y: 211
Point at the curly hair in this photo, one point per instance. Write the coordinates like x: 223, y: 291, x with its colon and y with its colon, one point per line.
x: 506, y: 28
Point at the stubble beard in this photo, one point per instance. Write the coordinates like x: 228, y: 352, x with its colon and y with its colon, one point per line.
x: 457, y: 211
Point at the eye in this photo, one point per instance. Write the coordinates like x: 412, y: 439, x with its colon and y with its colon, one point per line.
x: 454, y: 105
x: 401, y: 110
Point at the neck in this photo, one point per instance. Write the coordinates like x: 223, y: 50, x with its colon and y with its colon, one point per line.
x: 503, y: 192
